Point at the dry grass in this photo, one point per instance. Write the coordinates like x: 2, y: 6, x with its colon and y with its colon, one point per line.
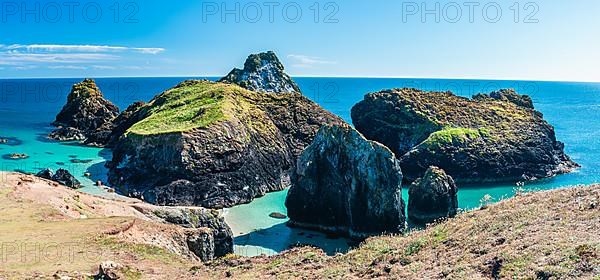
x: 548, y: 235
x: 39, y: 240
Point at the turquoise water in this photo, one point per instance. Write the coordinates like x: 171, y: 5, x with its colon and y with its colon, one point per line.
x: 28, y: 106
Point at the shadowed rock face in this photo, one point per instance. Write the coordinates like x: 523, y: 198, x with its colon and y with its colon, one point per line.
x: 432, y: 197
x: 236, y: 145
x: 346, y: 184
x: 86, y: 115
x: 214, y: 238
x: 486, y: 139
x: 262, y: 72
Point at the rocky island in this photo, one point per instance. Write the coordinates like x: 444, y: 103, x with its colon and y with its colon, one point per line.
x: 87, y: 116
x: 214, y: 144
x: 347, y: 185
x: 490, y: 138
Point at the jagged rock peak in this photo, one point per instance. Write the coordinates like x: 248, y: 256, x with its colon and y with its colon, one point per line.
x: 508, y: 95
x: 346, y: 184
x: 85, y: 89
x: 262, y: 72
x: 432, y: 197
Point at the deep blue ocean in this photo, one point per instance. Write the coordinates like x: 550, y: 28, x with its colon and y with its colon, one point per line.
x: 28, y: 106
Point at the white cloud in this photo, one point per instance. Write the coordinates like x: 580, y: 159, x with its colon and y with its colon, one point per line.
x: 37, y: 48
x: 305, y: 61
x: 103, y: 67
x: 53, y: 56
x: 69, y: 67
x: 23, y: 58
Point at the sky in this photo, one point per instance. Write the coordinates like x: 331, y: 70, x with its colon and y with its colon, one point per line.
x: 529, y: 40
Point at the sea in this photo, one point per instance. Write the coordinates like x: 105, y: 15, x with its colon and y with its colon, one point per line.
x: 28, y: 106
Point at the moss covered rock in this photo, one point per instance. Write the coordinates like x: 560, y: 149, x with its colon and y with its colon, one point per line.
x: 213, y: 144
x: 490, y: 138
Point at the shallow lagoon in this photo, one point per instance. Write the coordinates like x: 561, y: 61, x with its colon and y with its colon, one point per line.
x: 27, y: 107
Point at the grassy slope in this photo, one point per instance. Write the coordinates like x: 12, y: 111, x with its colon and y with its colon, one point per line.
x: 534, y: 235
x: 194, y: 104
x: 37, y: 239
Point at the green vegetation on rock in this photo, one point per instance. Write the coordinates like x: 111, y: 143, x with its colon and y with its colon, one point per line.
x: 451, y: 135
x: 193, y: 104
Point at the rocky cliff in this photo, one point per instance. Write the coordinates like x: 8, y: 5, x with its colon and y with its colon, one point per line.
x: 345, y: 184
x: 486, y: 139
x: 86, y: 116
x: 214, y: 144
x: 432, y: 197
x: 262, y: 72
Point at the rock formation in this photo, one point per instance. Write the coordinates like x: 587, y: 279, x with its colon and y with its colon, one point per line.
x: 86, y: 117
x: 61, y: 176
x: 213, y: 144
x: 262, y: 72
x: 474, y: 140
x: 432, y: 197
x: 208, y: 236
x: 508, y: 95
x: 346, y: 184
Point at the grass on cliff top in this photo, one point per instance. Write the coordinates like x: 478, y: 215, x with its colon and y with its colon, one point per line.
x: 194, y: 104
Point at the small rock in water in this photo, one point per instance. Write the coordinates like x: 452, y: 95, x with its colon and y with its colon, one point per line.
x: 81, y: 160
x: 16, y: 156
x: 3, y: 140
x: 60, y: 163
x: 99, y: 183
x: 87, y: 174
x: 277, y: 215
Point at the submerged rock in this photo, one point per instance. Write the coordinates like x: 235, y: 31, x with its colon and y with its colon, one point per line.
x: 213, y: 144
x: 277, y: 215
x: 262, y: 72
x: 62, y: 176
x: 16, y: 156
x: 480, y: 140
x: 345, y: 184
x: 432, y: 197
x: 86, y: 116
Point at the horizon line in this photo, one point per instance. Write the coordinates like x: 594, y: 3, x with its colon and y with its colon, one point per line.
x: 310, y: 76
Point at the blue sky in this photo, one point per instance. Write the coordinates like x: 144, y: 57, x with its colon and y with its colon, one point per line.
x: 549, y: 40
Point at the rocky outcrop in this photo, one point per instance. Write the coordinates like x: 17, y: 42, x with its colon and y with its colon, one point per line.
x: 214, y: 144
x: 86, y: 117
x: 262, y: 72
x: 61, y: 176
x: 345, y: 184
x: 221, y: 234
x: 509, y: 95
x: 432, y: 197
x: 473, y: 140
